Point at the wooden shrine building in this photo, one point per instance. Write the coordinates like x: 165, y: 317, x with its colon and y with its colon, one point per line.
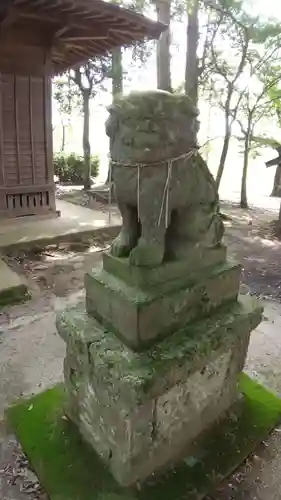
x: 39, y: 39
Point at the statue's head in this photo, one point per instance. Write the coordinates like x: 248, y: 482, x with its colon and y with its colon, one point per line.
x: 146, y: 127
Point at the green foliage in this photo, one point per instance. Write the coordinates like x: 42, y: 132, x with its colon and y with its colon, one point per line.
x: 274, y: 95
x: 68, y: 88
x: 90, y: 77
x: 265, y: 32
x: 71, y: 168
x: 265, y: 142
x: 65, y: 94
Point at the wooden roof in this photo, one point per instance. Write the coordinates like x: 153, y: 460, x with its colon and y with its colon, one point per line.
x: 71, y: 30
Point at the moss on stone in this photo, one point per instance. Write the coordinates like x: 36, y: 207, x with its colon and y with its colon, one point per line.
x: 146, y: 295
x: 172, y: 274
x: 191, y: 346
x: 148, y: 103
x: 69, y: 470
x: 142, y: 125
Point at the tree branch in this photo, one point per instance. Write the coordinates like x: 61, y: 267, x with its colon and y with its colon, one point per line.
x: 265, y: 58
x: 208, y: 42
x: 242, y: 63
x: 218, y: 8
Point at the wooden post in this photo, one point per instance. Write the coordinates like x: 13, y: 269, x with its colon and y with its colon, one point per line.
x: 16, y: 117
x: 48, y: 129
x: 32, y: 150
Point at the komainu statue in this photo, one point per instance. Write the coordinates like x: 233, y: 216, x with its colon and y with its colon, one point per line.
x: 165, y: 192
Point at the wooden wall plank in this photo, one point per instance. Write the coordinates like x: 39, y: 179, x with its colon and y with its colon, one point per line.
x: 16, y: 99
x: 32, y: 131
x: 49, y: 137
x: 3, y: 204
x: 27, y: 164
x: 2, y: 166
x: 48, y: 127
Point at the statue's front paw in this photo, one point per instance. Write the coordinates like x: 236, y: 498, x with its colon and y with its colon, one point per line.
x: 149, y: 255
x: 121, y: 246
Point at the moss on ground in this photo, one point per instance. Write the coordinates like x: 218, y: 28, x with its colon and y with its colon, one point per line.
x: 15, y: 295
x: 69, y: 470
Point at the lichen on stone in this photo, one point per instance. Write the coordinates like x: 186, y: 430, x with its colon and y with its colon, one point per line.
x: 190, y: 347
x: 148, y: 126
x: 166, y: 194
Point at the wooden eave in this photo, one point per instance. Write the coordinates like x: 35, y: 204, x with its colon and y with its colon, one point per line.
x: 71, y: 31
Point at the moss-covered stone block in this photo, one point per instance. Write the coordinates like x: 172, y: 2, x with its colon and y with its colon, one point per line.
x: 140, y: 316
x: 140, y: 410
x: 171, y: 274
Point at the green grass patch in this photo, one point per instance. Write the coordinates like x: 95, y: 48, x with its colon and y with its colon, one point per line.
x: 69, y: 470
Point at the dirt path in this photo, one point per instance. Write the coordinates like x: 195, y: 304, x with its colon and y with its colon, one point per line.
x: 59, y: 269
x: 251, y: 241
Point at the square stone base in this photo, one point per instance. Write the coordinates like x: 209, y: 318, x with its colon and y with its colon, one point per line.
x: 140, y: 316
x: 141, y: 411
x: 171, y: 275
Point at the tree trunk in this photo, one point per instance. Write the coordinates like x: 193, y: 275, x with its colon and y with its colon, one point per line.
x: 191, y: 66
x: 117, y: 87
x: 163, y: 46
x: 243, y: 197
x: 117, y: 72
x: 276, y: 191
x: 227, y: 134
x: 86, y: 139
x: 224, y: 152
x: 62, y: 147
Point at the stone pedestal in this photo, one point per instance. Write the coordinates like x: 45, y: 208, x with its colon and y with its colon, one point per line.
x: 153, y: 361
x: 140, y: 306
x: 142, y: 408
